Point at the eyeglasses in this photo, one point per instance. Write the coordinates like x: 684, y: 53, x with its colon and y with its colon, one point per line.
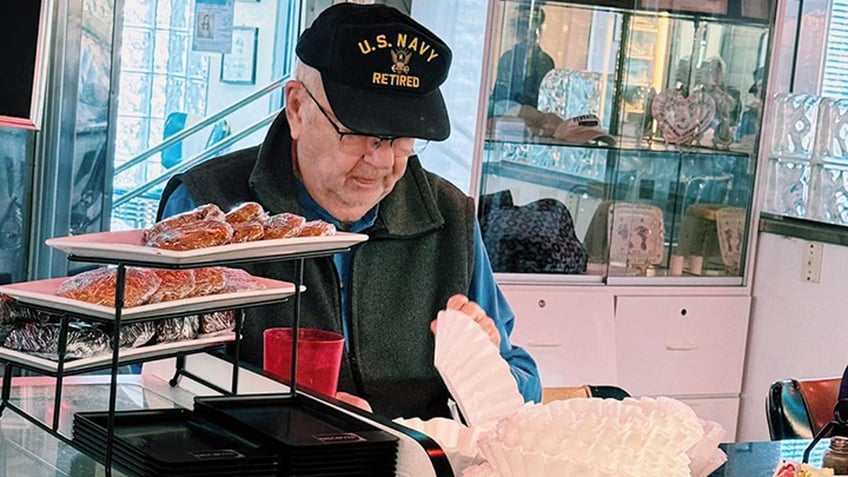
x: 358, y: 143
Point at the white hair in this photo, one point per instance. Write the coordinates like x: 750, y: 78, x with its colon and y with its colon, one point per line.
x: 310, y: 77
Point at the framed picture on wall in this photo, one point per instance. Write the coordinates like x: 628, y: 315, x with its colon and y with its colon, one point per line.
x: 239, y: 65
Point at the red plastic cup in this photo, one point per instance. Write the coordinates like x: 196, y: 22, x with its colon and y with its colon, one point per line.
x: 319, y: 357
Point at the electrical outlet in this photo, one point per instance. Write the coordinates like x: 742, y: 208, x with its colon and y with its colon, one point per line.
x: 811, y: 262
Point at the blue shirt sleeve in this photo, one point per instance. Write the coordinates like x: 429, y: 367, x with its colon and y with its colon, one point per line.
x: 179, y: 201
x: 485, y: 291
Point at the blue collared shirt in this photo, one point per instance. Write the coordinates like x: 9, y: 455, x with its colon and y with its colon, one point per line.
x: 483, y: 289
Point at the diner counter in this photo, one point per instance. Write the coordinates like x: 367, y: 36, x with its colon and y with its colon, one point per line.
x: 26, y: 450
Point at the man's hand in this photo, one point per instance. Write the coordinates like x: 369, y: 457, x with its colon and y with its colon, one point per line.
x: 460, y: 302
x: 353, y: 401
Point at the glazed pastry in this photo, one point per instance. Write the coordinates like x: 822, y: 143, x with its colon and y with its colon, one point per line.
x: 237, y: 280
x: 246, y: 212
x: 194, y: 235
x: 283, y: 225
x: 173, y: 285
x: 98, y: 286
x: 317, y: 228
x: 208, y: 281
x: 247, y: 231
x: 200, y: 213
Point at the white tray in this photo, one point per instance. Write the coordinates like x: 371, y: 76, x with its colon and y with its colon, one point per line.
x: 105, y: 358
x: 127, y: 245
x: 43, y: 293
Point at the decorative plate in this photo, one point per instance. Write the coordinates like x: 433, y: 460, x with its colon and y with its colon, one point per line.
x: 636, y: 234
x: 730, y: 227
x: 683, y: 119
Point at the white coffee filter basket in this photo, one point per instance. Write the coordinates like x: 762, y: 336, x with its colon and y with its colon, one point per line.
x: 458, y: 441
x: 600, y: 438
x: 473, y: 370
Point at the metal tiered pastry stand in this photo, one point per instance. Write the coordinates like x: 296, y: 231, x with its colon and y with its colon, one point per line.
x: 113, y: 364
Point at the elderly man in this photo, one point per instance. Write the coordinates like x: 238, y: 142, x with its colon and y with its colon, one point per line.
x: 364, y: 98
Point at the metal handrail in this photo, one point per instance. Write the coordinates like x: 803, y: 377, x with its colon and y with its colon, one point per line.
x: 196, y: 159
x: 271, y: 87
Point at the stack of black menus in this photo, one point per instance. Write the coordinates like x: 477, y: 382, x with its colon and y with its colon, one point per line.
x: 311, y: 438
x: 173, y: 442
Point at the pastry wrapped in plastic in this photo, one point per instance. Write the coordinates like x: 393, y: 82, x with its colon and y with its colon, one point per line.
x: 246, y: 212
x: 191, y: 236
x: 217, y: 322
x: 12, y: 311
x: 238, y: 280
x: 248, y: 231
x: 177, y: 329
x: 317, y: 228
x: 42, y: 339
x: 135, y: 334
x: 283, y: 225
x: 98, y: 286
x: 173, y: 285
x: 199, y: 213
x: 208, y: 281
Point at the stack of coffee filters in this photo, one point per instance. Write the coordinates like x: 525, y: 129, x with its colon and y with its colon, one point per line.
x: 587, y: 437
x: 458, y: 441
x: 600, y: 438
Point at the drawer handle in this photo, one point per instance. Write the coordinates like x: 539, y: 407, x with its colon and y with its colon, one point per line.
x: 681, y: 347
x: 543, y: 344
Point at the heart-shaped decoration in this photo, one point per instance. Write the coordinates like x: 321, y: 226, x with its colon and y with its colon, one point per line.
x: 682, y: 119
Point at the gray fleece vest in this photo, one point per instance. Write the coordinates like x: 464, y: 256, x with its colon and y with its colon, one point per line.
x: 419, y: 252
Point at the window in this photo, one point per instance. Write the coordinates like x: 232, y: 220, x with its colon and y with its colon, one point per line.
x: 835, y: 75
x: 160, y: 76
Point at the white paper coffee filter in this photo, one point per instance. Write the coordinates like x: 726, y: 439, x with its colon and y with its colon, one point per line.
x: 458, y: 441
x: 473, y: 370
x: 594, y: 437
x: 480, y: 470
x: 705, y: 454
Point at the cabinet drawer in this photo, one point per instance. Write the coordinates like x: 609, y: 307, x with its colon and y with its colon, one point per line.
x: 681, y: 345
x: 570, y: 335
x: 724, y: 411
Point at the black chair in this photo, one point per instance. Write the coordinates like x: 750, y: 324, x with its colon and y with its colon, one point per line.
x: 800, y: 408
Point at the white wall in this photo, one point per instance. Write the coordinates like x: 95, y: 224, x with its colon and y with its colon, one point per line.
x: 462, y: 25
x: 797, y: 328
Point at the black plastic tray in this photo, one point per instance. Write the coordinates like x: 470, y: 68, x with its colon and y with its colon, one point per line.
x: 310, y: 437
x: 175, y: 439
x: 296, y: 422
x: 135, y: 466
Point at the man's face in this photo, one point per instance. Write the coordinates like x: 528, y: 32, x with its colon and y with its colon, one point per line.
x: 345, y: 183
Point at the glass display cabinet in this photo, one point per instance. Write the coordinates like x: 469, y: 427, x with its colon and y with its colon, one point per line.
x: 621, y: 138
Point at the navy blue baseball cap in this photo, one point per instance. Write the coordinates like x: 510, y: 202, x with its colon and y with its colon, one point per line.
x: 381, y: 70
